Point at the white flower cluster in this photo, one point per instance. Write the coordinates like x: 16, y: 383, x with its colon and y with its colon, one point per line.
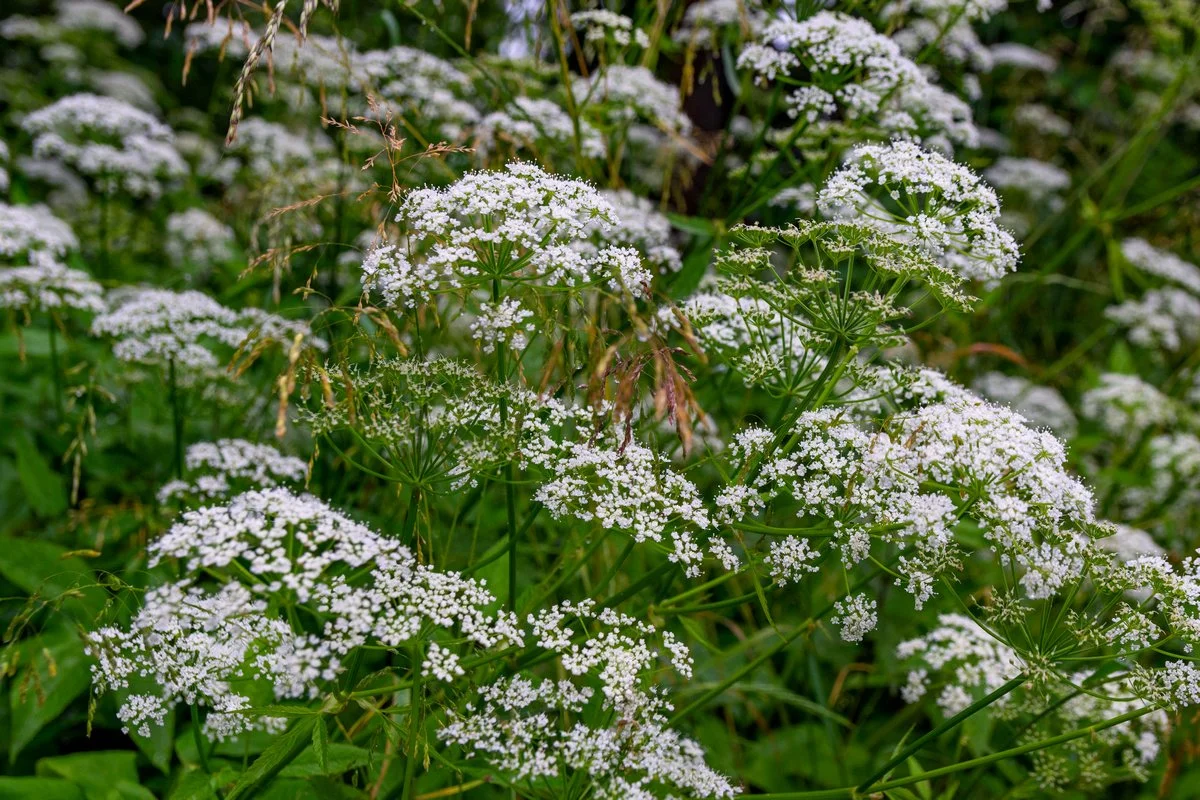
x: 213, y: 647
x: 529, y: 122
x: 197, y: 238
x: 1161, y: 319
x: 99, y: 15
x: 905, y: 484
x: 390, y: 404
x: 516, y: 223
x: 628, y: 488
x: 1126, y: 405
x: 855, y: 616
x: 1162, y: 264
x: 270, y: 147
x: 46, y: 285
x: 643, y: 227
x: 231, y: 464
x: 924, y: 198
x: 1035, y: 179
x: 763, y: 346
x: 703, y: 20
x: 158, y: 326
x: 884, y: 85
x: 229, y: 36
x: 602, y: 25
x: 34, y: 239
x: 968, y: 660
x: 628, y: 94
x: 75, y: 16
x: 26, y: 230
x: 502, y: 323
x: 421, y: 84
x: 117, y: 146
x: 1041, y: 405
x: 534, y: 730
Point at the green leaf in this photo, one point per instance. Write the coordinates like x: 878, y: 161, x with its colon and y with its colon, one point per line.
x: 40, y: 788
x: 698, y: 226
x: 314, y: 789
x: 38, y: 567
x: 1120, y: 359
x: 44, y: 488
x: 193, y: 784
x: 321, y: 746
x: 339, y: 758
x: 101, y: 775
x: 158, y: 746
x: 791, y: 698
x: 900, y: 793
x: 695, y: 266
x: 54, y: 674
x: 281, y: 753
x: 772, y: 763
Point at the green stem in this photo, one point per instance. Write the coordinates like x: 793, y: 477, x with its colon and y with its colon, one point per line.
x: 176, y: 418
x: 414, y: 724
x: 201, y: 742
x: 510, y: 498
x: 1032, y: 747
x: 783, y: 641
x: 55, y: 372
x: 934, y: 734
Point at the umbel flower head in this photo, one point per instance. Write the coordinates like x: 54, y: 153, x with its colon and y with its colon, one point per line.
x: 840, y: 66
x: 626, y: 487
x: 232, y: 646
x: 46, y: 285
x: 196, y: 238
x: 34, y: 239
x: 623, y: 95
x: 26, y: 230
x: 518, y: 224
x: 219, y: 469
x: 118, y: 147
x: 437, y: 421
x: 924, y: 198
x: 909, y: 483
x: 962, y: 661
x: 158, y: 326
x: 602, y: 719
x: 537, y: 125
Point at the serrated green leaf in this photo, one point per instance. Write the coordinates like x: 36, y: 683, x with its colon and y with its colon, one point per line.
x: 193, y: 784
x: 339, y: 758
x: 281, y: 753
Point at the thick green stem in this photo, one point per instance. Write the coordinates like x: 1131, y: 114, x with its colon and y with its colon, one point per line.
x: 510, y: 499
x: 414, y: 725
